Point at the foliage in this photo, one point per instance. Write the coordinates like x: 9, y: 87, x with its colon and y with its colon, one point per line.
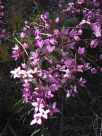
x: 56, y: 57
x: 59, y: 69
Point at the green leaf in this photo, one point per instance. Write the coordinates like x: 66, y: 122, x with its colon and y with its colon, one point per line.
x: 18, y: 103
x: 35, y: 132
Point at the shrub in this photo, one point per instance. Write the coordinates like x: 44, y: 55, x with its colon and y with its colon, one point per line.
x: 57, y: 55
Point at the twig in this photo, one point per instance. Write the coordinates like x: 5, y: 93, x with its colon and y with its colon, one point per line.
x: 61, y: 117
x: 3, y: 130
x: 13, y: 132
x: 21, y: 45
x: 11, y: 129
x: 101, y: 129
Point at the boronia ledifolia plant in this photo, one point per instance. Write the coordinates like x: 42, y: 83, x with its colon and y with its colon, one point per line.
x: 56, y: 56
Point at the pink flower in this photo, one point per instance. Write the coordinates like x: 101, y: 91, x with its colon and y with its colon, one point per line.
x: 56, y: 32
x: 96, y: 29
x: 80, y: 32
x: 15, y: 73
x: 68, y: 93
x: 57, y: 20
x: 16, y: 52
x: 53, y: 109
x: 76, y: 38
x: 71, y: 45
x: 47, y: 26
x: 35, y: 61
x: 50, y: 48
x: 70, y: 8
x: 54, y: 87
x: 93, y: 70
x: 67, y: 73
x: 39, y: 104
x: 71, y: 91
x: 53, y: 41
x: 94, y: 43
x: 25, y: 46
x: 38, y: 117
x: 22, y: 35
x: 81, y: 51
x: 24, y: 66
x: 100, y: 57
x: 48, y: 94
x: 80, y: 1
x: 46, y: 15
x: 44, y: 113
x: 19, y: 73
x: 22, y: 74
x: 74, y: 34
x: 30, y: 73
x: 34, y: 55
x: 81, y: 81
x: 80, y: 68
x: 26, y: 94
x: 36, y: 31
x: 39, y: 43
x: 64, y: 31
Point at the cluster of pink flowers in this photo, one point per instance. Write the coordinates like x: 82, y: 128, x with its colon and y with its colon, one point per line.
x: 2, y: 21
x: 56, y: 57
